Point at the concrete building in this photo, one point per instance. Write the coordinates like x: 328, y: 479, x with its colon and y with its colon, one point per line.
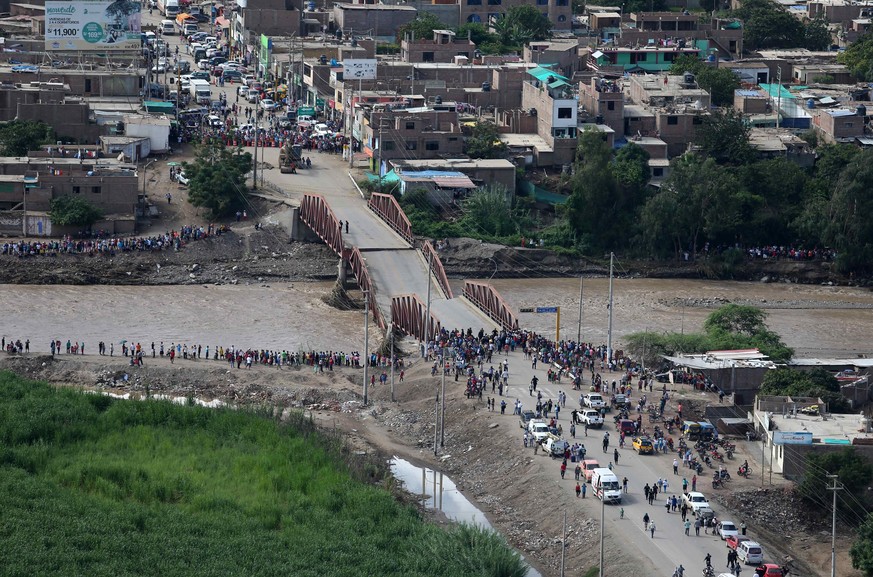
x: 794, y: 427
x: 374, y: 19
x: 738, y: 373
x: 155, y: 128
x: 131, y: 148
x: 28, y: 185
x: 677, y: 103
x: 840, y: 124
x: 559, y: 12
x: 603, y: 101
x: 482, y: 172
x: 562, y: 54
x: 443, y: 47
x: 781, y: 143
x: 636, y: 59
x: 424, y: 132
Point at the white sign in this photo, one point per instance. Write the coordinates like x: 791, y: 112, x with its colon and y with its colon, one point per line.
x: 803, y: 438
x: 92, y: 25
x: 363, y: 69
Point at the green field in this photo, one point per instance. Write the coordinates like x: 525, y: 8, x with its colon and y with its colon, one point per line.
x: 95, y: 486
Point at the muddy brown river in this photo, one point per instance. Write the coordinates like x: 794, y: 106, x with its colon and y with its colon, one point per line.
x: 815, y: 320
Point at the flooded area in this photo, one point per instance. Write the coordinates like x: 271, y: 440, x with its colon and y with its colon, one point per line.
x: 439, y: 493
x: 282, y: 316
x: 814, y: 320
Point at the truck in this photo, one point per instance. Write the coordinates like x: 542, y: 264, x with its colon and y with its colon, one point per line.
x: 592, y: 418
x: 196, y: 83
x: 592, y: 400
x: 538, y: 428
x: 606, y: 485
x: 169, y: 8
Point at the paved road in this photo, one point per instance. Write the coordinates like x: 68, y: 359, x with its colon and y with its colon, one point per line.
x: 670, y: 546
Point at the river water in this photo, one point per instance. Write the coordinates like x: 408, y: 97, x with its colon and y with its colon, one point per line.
x: 823, y: 321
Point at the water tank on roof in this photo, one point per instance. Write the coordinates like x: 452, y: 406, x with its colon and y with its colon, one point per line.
x: 810, y: 103
x: 710, y: 58
x: 438, y: 100
x: 681, y: 43
x: 333, y: 62
x: 689, y: 78
x: 550, y: 79
x: 310, y: 5
x: 861, y: 111
x: 486, y: 87
x: 322, y: 59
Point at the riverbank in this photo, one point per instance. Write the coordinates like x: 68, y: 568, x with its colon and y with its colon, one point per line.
x: 520, y: 493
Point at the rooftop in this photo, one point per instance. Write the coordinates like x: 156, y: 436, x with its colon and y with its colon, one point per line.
x: 784, y: 414
x: 457, y: 163
x: 742, y: 358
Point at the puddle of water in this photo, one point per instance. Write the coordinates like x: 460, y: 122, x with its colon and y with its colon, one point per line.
x: 441, y: 494
x: 212, y: 404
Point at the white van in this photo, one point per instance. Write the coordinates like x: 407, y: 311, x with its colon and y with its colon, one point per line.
x: 196, y: 83
x: 168, y: 27
x: 750, y: 553
x: 606, y: 485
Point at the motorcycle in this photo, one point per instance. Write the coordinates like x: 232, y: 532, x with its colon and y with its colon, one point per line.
x: 730, y: 453
x: 744, y: 472
x: 717, y: 456
x: 708, y: 571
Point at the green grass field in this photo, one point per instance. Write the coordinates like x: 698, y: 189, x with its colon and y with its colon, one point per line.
x: 94, y: 486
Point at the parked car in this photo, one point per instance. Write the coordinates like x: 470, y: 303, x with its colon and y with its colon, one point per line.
x: 538, y: 428
x: 243, y: 90
x: 181, y: 178
x: 769, y: 570
x: 231, y: 76
x: 643, y: 446
x: 727, y: 529
x: 695, y: 501
x: 592, y: 418
x: 253, y: 95
x: 627, y: 426
x: 750, y: 553
x: 215, y: 120
x: 732, y: 541
x: 202, y: 18
x: 248, y: 79
x: 556, y: 446
x: 588, y: 466
x: 593, y: 400
x: 199, y: 76
x: 526, y: 417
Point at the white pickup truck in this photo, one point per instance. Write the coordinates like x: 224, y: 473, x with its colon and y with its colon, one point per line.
x: 593, y: 400
x: 538, y: 428
x: 591, y: 417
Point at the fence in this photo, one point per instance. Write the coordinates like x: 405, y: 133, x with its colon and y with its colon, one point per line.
x: 489, y: 301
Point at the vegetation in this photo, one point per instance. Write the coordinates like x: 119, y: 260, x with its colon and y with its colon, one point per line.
x: 729, y: 327
x: 858, y: 57
x: 719, y: 82
x: 420, y: 28
x: 854, y: 472
x: 70, y: 210
x: 18, y: 137
x: 485, y: 141
x: 522, y: 24
x: 770, y: 25
x: 90, y: 485
x: 217, y: 177
x: 862, y: 549
x: 816, y: 383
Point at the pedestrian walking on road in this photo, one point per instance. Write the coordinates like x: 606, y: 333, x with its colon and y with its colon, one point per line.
x: 645, y: 521
x: 584, y: 489
x: 572, y: 431
x: 697, y: 527
x: 646, y: 491
x: 615, y: 456
x: 578, y: 489
x: 624, y: 484
x: 675, y: 466
x: 684, y: 485
x: 652, y: 529
x: 563, y: 469
x: 738, y: 568
x: 743, y: 527
x: 694, y: 483
x: 688, y: 529
x: 577, y: 471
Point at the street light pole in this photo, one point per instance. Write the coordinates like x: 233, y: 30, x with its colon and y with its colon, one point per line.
x: 366, y: 343
x: 835, y: 488
x: 602, y: 515
x: 579, y: 326
x: 391, y: 354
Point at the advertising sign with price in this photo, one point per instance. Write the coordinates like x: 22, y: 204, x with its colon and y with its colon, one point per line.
x: 92, y: 25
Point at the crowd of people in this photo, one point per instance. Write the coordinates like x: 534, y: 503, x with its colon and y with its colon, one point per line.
x: 105, y: 244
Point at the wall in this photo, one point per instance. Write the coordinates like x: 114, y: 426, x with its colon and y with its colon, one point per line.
x: 376, y: 19
x: 69, y: 121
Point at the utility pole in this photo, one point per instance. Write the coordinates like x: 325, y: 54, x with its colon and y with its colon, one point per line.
x: 436, y: 412
x: 427, y: 313
x: 391, y: 354
x: 835, y: 488
x: 366, y: 343
x: 602, y: 515
x: 579, y: 326
x: 779, y: 97
x: 255, y: 171
x: 443, y: 404
x: 563, y: 543
x: 609, y: 328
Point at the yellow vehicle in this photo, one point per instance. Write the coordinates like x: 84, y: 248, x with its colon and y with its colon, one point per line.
x: 643, y: 445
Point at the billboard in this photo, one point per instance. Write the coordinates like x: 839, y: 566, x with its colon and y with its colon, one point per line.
x: 362, y: 69
x: 92, y: 25
x: 803, y: 438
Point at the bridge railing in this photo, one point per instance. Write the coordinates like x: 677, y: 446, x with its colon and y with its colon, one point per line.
x: 408, y: 314
x: 388, y: 209
x: 489, y: 301
x: 318, y: 216
x: 362, y: 275
x: 439, y: 271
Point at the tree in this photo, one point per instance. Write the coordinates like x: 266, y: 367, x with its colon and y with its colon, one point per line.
x: 816, y: 383
x: 18, y: 137
x: 767, y: 24
x: 630, y: 6
x: 775, y: 199
x: 858, y: 57
x: 720, y: 83
x: 849, y: 229
x: 217, y: 177
x: 485, y: 142
x: 854, y: 473
x: 695, y: 201
x: 489, y: 210
x: 477, y: 32
x: 70, y: 210
x: 862, y: 549
x: 816, y: 34
x: 740, y: 326
x: 724, y: 136
x: 523, y: 24
x: 421, y: 27
x: 686, y: 63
